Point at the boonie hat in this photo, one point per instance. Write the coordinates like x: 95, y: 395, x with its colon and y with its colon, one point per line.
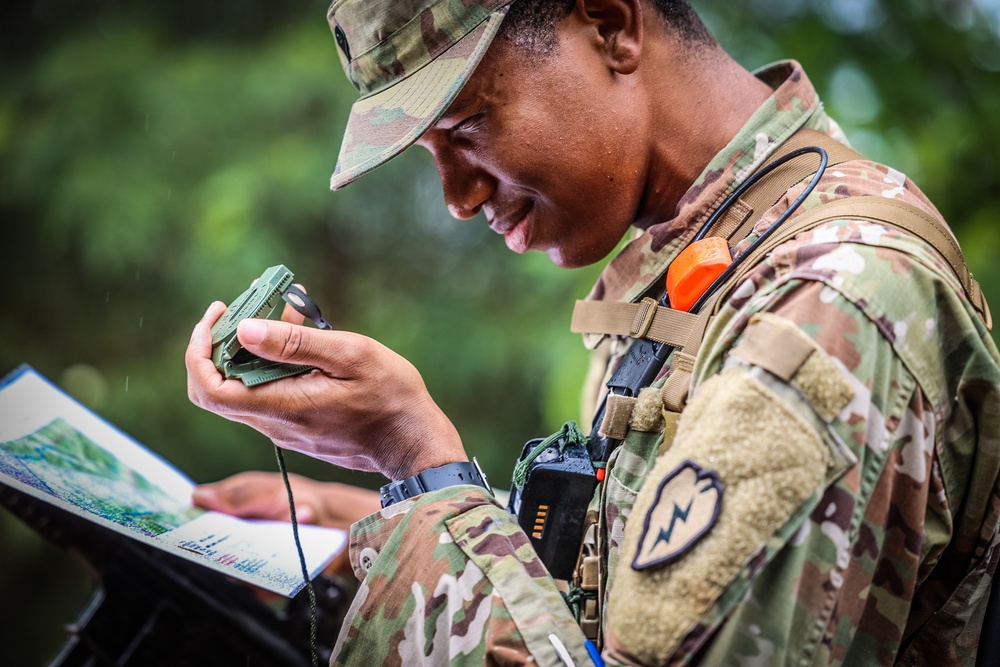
x: 408, y: 59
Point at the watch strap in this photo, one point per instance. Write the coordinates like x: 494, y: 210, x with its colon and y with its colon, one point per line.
x: 451, y: 474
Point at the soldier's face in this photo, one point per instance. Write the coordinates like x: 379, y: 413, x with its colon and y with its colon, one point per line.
x: 549, y: 148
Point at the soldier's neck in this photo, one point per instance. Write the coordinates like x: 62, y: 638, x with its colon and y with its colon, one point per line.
x: 697, y: 106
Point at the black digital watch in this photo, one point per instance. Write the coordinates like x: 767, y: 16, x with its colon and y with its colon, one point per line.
x: 451, y: 474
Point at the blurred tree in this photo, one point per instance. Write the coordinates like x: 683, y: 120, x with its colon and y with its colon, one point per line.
x: 157, y: 156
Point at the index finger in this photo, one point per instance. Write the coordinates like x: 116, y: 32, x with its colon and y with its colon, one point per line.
x: 291, y: 314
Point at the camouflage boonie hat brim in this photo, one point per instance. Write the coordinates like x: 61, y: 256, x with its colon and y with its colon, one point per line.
x: 409, y: 59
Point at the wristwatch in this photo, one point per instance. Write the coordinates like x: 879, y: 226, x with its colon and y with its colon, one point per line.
x: 451, y: 474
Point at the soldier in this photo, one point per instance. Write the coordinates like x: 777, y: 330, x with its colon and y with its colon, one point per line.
x: 829, y: 495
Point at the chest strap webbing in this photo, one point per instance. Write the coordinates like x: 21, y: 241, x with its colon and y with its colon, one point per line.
x: 737, y: 223
x: 898, y: 214
x: 685, y: 331
x: 676, y: 328
x: 879, y: 210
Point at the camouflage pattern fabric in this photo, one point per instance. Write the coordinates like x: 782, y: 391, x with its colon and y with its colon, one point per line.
x: 889, y: 563
x: 408, y: 59
x: 449, y: 578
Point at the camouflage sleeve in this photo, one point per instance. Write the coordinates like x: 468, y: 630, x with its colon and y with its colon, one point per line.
x: 869, y: 535
x: 450, y: 578
x: 838, y: 591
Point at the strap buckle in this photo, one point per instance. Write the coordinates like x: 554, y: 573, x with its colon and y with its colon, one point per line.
x: 643, y: 318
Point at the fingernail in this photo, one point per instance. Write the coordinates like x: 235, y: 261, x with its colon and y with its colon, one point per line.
x: 202, y: 495
x: 251, y: 332
x: 211, y: 306
x: 305, y: 514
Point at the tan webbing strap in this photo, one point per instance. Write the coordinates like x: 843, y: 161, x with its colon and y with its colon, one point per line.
x: 836, y: 151
x: 765, y: 194
x: 775, y: 344
x: 645, y: 319
x: 675, y: 389
x: 685, y: 331
x: 876, y: 209
x: 735, y: 217
x: 663, y: 325
x: 617, y: 414
x: 879, y: 210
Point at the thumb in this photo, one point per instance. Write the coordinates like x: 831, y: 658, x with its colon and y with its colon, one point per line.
x: 282, y: 341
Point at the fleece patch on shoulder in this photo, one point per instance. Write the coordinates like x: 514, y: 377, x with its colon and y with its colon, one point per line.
x: 772, y: 463
x: 686, y: 506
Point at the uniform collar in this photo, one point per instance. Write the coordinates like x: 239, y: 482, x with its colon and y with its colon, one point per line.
x: 640, y: 267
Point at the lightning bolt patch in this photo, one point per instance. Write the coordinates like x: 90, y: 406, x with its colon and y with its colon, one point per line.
x: 679, y: 513
x: 686, y: 507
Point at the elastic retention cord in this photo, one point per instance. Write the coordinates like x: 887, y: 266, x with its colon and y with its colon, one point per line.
x: 572, y: 434
x: 724, y: 276
x: 750, y: 182
x: 313, y: 644
x: 575, y: 596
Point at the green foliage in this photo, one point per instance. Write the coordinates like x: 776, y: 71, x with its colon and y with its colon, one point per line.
x: 155, y: 157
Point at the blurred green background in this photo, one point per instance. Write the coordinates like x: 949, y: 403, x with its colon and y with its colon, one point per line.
x: 157, y: 156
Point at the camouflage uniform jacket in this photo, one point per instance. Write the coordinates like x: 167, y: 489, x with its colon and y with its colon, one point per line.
x: 855, y: 493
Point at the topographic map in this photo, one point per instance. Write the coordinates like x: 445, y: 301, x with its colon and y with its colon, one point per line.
x: 55, y: 449
x: 66, y: 464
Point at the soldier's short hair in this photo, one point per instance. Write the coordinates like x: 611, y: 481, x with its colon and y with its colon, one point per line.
x: 530, y: 24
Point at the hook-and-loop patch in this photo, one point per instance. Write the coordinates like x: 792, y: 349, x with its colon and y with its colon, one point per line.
x: 686, y: 506
x: 770, y: 455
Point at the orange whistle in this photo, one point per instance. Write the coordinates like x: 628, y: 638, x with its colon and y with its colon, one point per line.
x: 694, y: 270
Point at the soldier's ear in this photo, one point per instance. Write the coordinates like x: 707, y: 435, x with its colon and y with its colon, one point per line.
x: 618, y: 30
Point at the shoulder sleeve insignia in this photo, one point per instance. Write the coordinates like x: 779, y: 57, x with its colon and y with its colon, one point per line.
x: 685, y: 509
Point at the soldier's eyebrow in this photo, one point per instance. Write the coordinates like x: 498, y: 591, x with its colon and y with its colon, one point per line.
x: 455, y: 111
x: 462, y: 105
